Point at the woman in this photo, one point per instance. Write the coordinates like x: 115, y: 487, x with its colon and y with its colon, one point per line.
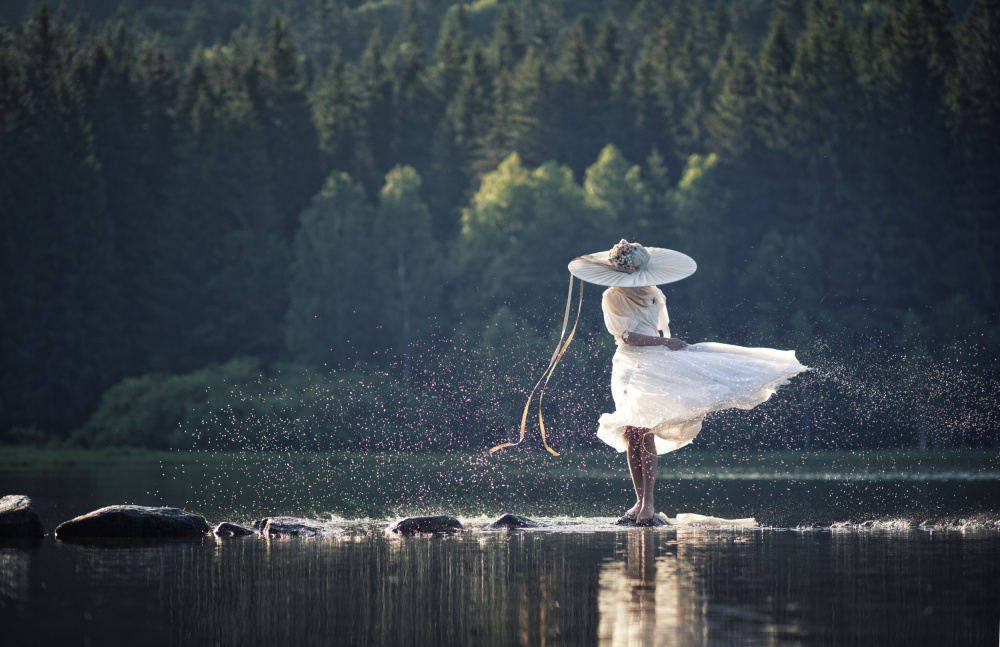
x: 663, y: 387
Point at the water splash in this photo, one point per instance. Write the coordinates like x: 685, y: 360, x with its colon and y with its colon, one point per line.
x: 380, y: 439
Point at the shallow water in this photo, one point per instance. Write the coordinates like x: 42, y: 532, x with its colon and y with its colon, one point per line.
x: 842, y: 560
x: 637, y: 587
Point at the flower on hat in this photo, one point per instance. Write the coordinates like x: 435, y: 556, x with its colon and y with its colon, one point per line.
x: 621, y: 256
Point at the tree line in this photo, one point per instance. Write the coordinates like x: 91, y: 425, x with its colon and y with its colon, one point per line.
x: 341, y: 191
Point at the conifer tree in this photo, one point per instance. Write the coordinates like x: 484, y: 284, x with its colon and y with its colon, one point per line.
x: 455, y: 141
x: 575, y: 105
x: 774, y: 91
x: 61, y: 323
x: 826, y: 90
x: 287, y: 127
x: 611, y: 83
x: 332, y: 104
x: 543, y: 30
x: 508, y: 40
x: 415, y: 107
x: 501, y: 132
x: 128, y: 88
x: 450, y: 53
x: 732, y: 124
x: 643, y: 20
x: 975, y: 104
x: 329, y: 27
x: 374, y: 110
x: 650, y: 117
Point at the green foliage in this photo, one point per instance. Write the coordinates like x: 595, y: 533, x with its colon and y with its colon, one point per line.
x: 404, y: 259
x: 235, y: 405
x: 515, y: 221
x: 153, y: 410
x: 831, y: 165
x: 324, y: 298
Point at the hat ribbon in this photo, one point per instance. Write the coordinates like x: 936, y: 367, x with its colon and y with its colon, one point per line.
x: 544, y: 380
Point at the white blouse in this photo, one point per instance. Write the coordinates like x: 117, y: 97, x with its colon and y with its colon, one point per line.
x: 638, y: 310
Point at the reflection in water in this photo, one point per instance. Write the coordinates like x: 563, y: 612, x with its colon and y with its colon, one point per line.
x: 15, y: 567
x: 496, y: 589
x: 649, y: 599
x: 677, y: 589
x: 589, y: 587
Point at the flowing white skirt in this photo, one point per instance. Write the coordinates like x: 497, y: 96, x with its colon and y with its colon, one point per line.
x: 670, y: 392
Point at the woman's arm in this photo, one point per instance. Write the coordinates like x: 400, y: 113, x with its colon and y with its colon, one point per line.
x: 638, y: 339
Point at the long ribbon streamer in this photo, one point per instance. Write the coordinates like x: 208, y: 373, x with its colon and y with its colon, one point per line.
x: 547, y: 375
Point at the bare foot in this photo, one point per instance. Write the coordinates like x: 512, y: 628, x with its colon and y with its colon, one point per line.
x: 644, y: 515
x: 634, y: 510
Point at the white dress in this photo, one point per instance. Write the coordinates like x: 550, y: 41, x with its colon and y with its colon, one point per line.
x: 668, y: 391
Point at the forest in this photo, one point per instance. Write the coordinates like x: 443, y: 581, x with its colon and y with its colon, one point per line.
x: 325, y: 223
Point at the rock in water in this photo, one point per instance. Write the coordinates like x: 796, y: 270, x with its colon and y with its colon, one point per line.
x: 513, y: 521
x: 294, y: 527
x: 228, y: 529
x: 133, y: 521
x: 425, y: 525
x: 18, y: 519
x: 655, y: 522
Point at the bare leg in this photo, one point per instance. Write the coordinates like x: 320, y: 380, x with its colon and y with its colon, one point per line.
x: 649, y: 461
x: 633, y: 436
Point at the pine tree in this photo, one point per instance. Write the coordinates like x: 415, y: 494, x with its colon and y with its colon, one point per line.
x: 543, y: 30
x: 374, y: 110
x: 128, y: 88
x: 643, y: 20
x: 975, y: 104
x: 329, y: 27
x: 611, y: 83
x: 774, y: 91
x: 650, y: 121
x: 826, y: 90
x: 416, y: 108
x: 60, y: 300
x: 575, y: 103
x: 508, y: 42
x: 333, y: 115
x: 288, y: 130
x: 455, y: 141
x: 501, y: 132
x: 732, y: 124
x: 450, y: 53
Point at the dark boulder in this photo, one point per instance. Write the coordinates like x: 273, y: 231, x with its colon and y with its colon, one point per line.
x: 227, y: 529
x: 294, y: 527
x: 133, y: 521
x: 18, y: 519
x: 655, y: 522
x: 512, y: 522
x: 425, y: 525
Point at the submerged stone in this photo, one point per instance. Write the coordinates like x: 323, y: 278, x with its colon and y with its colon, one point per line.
x: 295, y: 527
x: 18, y: 519
x: 228, y: 529
x: 513, y: 521
x: 133, y: 521
x: 425, y: 525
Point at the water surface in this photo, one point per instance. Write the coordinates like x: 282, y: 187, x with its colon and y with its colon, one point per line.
x: 857, y: 552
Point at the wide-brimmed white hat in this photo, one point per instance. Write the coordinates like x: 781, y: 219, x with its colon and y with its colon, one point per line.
x: 630, y: 265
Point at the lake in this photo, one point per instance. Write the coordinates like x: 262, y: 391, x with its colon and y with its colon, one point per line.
x: 881, y: 549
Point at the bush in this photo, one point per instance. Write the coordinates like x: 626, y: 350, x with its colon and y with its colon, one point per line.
x: 237, y: 405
